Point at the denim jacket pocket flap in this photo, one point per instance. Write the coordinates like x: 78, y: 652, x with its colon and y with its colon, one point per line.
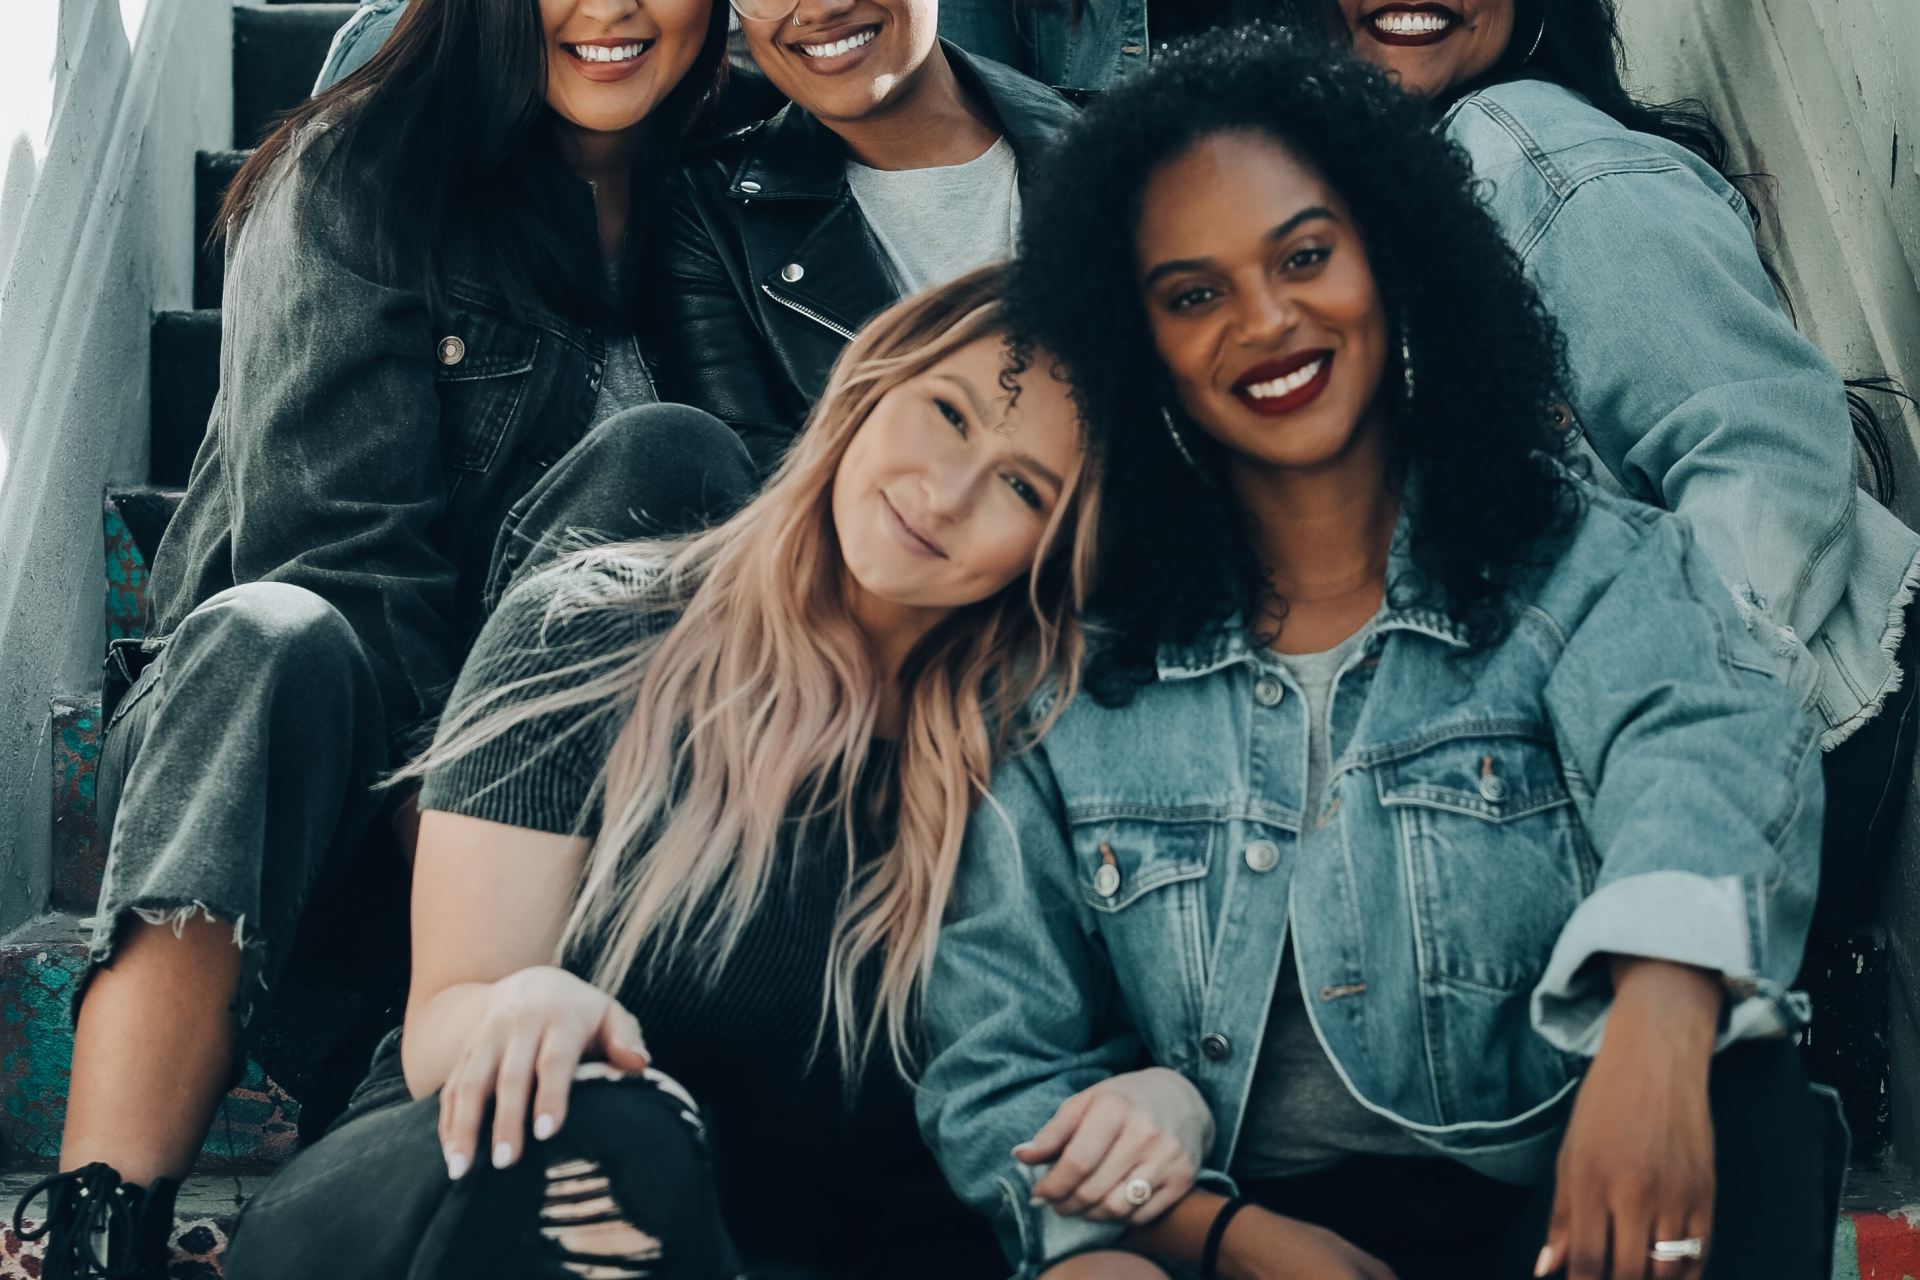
x: 1119, y: 862
x: 1497, y: 778
x: 480, y: 362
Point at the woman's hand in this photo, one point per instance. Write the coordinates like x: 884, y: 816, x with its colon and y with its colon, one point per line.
x: 538, y: 1025
x: 1151, y: 1125
x: 1637, y: 1162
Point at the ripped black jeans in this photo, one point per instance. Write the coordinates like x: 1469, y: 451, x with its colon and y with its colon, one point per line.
x: 625, y: 1191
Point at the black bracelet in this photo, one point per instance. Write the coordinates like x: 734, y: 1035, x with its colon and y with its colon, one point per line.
x: 1210, y: 1254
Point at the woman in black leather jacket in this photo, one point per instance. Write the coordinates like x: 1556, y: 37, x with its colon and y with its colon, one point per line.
x: 770, y: 255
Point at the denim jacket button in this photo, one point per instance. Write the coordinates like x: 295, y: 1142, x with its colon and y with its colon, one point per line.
x: 1267, y: 691
x: 1215, y: 1046
x: 1106, y: 881
x: 452, y: 350
x: 1263, y: 855
x: 1493, y: 788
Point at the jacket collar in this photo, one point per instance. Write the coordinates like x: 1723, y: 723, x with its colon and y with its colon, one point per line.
x: 795, y: 157
x: 1230, y: 642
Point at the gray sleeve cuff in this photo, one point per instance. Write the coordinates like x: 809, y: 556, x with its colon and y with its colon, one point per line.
x: 1679, y: 916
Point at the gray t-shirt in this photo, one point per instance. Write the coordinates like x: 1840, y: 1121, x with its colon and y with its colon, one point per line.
x: 938, y: 224
x: 1300, y: 1114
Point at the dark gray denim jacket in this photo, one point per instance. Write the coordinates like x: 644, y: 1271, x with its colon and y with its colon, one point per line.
x: 365, y: 444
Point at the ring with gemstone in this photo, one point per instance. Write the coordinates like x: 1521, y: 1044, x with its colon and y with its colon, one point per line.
x: 1137, y: 1191
x: 1692, y: 1249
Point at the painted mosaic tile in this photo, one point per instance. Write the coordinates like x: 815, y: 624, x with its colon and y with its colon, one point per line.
x: 256, y: 1124
x: 79, y: 852
x: 197, y: 1246
x: 132, y: 521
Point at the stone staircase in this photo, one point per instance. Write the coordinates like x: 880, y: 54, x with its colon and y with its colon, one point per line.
x: 277, y: 51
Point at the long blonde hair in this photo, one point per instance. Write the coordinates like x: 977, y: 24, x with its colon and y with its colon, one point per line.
x: 762, y: 695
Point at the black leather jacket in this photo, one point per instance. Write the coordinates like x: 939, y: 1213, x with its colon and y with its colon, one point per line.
x: 767, y: 267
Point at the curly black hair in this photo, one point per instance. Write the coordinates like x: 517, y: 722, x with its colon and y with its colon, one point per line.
x: 1482, y: 429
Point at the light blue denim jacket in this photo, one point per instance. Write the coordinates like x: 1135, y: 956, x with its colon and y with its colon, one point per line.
x: 1622, y: 774
x: 1692, y: 388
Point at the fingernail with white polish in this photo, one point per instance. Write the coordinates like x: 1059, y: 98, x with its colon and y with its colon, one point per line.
x: 456, y: 1165
x: 543, y: 1127
x: 502, y: 1154
x: 1544, y: 1263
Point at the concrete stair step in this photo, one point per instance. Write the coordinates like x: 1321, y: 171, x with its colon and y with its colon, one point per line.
x: 213, y: 172
x: 277, y: 52
x: 203, y: 1219
x: 41, y: 964
x: 185, y: 378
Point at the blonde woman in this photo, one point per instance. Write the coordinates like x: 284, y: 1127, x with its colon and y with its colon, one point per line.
x: 711, y: 793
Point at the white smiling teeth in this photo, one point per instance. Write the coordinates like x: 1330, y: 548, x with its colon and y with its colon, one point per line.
x: 1288, y: 385
x: 608, y: 53
x: 839, y: 47
x: 1401, y: 23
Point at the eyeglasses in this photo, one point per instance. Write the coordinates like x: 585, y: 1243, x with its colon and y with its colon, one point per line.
x: 764, y: 10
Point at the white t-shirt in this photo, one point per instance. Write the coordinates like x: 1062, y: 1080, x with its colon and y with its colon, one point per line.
x: 937, y: 224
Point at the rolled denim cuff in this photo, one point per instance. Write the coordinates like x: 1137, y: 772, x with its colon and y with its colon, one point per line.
x: 1056, y: 1236
x: 1679, y: 916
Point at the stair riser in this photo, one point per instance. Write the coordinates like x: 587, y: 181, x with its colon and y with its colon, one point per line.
x: 257, y: 1123
x: 277, y: 52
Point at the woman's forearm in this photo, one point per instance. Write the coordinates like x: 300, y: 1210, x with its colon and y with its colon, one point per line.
x: 1179, y: 1235
x: 437, y: 1031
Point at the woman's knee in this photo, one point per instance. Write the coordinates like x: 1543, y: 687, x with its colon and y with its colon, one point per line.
x: 266, y: 626
x: 1107, y: 1264
x: 673, y: 459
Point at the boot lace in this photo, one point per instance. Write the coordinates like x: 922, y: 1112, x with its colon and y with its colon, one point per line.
x: 99, y: 1203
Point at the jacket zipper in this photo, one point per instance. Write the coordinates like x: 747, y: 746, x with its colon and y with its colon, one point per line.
x: 808, y: 312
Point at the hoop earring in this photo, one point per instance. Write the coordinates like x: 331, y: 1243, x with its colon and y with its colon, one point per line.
x: 1539, y: 34
x: 1409, y: 383
x: 798, y: 23
x: 1179, y: 442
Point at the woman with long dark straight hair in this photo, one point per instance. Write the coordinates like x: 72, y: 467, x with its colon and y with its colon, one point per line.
x: 425, y: 308
x: 1689, y: 386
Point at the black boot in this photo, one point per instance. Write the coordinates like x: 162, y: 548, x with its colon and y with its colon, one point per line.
x: 98, y: 1227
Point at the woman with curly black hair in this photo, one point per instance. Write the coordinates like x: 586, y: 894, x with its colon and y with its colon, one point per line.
x: 1413, y: 762
x: 1687, y: 380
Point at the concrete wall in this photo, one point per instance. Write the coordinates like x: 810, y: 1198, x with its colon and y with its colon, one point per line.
x: 102, y: 105
x: 1824, y: 95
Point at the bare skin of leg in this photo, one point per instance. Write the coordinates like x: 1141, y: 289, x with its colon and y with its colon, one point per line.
x: 1105, y: 1266
x: 151, y: 1050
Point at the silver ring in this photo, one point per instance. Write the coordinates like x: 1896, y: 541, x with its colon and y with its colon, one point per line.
x: 1692, y: 1249
x: 1137, y: 1191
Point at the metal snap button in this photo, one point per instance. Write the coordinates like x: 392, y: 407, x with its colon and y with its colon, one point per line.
x: 1263, y: 855
x: 452, y: 350
x: 792, y: 272
x: 1493, y: 788
x: 1106, y: 881
x: 1216, y: 1047
x: 751, y: 188
x: 1267, y: 691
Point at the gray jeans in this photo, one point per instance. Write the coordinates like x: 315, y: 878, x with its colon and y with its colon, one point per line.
x: 238, y: 777
x: 243, y: 753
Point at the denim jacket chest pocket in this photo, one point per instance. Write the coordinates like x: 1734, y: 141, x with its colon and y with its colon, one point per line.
x: 482, y: 363
x: 1492, y: 851
x: 1145, y: 881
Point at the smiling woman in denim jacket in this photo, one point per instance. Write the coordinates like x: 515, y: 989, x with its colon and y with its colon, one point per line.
x: 417, y: 324
x: 1433, y: 812
x: 1689, y: 385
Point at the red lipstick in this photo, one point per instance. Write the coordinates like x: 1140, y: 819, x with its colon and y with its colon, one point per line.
x: 1298, y: 397
x: 1406, y: 40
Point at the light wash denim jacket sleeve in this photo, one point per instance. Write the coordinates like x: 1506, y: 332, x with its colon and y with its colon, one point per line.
x: 1621, y: 774
x: 1692, y: 388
